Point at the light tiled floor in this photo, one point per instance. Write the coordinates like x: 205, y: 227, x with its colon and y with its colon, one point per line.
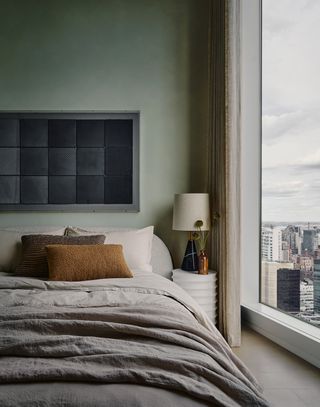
x: 288, y: 381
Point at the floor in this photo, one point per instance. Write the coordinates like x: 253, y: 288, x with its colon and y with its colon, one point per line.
x: 288, y: 381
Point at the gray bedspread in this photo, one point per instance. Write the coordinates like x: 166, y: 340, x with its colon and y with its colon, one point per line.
x: 115, y: 336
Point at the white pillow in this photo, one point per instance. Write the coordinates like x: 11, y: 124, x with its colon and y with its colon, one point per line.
x: 137, y: 244
x: 10, y: 245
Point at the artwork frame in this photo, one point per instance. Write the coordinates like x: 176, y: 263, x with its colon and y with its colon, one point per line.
x: 114, y: 167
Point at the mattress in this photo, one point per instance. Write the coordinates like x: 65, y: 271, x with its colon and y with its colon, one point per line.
x: 118, y: 342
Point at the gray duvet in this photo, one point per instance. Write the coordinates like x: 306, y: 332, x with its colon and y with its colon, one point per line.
x: 114, y: 342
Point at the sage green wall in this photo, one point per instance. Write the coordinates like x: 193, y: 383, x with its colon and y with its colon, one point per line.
x: 146, y: 55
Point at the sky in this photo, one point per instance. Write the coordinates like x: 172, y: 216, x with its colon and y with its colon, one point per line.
x: 291, y: 111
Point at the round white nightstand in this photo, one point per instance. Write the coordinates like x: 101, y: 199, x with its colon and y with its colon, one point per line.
x: 202, y: 288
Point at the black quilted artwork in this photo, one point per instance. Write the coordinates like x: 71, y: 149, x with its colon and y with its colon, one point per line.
x: 69, y: 161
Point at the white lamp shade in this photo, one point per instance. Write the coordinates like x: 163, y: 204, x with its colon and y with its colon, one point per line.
x: 188, y: 208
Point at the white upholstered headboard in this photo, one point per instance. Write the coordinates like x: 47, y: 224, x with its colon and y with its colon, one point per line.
x: 160, y: 258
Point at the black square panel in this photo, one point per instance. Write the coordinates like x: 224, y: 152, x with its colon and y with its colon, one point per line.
x: 34, y: 161
x: 118, y: 190
x: 62, y: 133
x: 9, y: 190
x: 34, y: 190
x: 90, y: 190
x: 90, y: 133
x: 62, y: 190
x: 118, y: 161
x: 34, y: 132
x: 9, y: 133
x: 118, y: 133
x: 9, y: 161
x: 90, y: 161
x: 62, y: 161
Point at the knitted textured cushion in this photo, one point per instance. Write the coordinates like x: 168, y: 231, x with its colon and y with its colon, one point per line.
x: 78, y: 263
x: 34, y: 256
x: 11, y: 247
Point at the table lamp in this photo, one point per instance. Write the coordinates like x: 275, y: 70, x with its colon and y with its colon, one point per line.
x: 187, y: 210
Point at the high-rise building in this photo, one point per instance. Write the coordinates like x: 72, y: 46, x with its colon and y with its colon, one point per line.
x: 316, y: 254
x: 288, y: 290
x: 316, y: 286
x: 289, y: 235
x: 269, y: 281
x: 309, y: 242
x: 285, y: 252
x: 271, y: 243
x: 306, y: 295
x: 298, y: 243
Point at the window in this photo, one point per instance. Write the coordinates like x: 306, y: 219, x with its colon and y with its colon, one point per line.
x: 294, y: 334
x: 290, y: 202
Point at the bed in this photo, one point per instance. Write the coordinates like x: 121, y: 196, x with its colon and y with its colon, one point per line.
x: 115, y: 342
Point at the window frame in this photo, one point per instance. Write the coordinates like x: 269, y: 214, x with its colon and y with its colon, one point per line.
x: 295, y: 335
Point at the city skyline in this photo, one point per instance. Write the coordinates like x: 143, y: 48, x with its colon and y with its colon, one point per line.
x: 290, y: 115
x: 290, y: 269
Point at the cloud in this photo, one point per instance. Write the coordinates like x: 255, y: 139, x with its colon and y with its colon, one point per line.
x: 291, y: 114
x: 282, y: 189
x: 274, y: 26
x: 290, y: 64
x: 276, y: 126
x: 311, y: 161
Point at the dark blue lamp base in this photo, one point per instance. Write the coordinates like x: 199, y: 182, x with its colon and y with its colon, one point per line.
x: 190, y: 260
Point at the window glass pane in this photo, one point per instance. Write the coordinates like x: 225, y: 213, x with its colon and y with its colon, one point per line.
x: 290, y: 230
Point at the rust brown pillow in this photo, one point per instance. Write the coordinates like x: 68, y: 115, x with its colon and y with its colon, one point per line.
x: 78, y: 263
x: 34, y: 256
